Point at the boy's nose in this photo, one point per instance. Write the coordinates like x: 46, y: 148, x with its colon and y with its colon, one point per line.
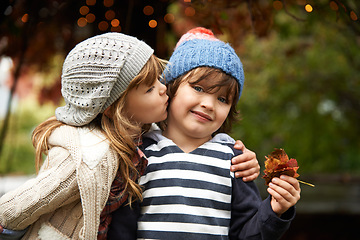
x: 208, y: 102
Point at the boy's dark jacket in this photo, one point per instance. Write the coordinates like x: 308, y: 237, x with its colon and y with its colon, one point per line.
x: 251, y: 218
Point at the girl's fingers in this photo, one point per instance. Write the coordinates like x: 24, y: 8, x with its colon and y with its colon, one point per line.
x: 251, y: 177
x: 239, y: 145
x: 249, y: 174
x: 250, y: 166
x: 246, y: 165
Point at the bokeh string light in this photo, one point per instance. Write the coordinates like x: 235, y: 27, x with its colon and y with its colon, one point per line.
x: 148, y: 10
x: 112, y: 21
x: 334, y: 5
x: 90, y: 2
x: 108, y: 3
x: 190, y: 11
x: 278, y: 5
x: 169, y: 18
x: 82, y: 22
x: 103, y: 24
x: 152, y: 23
x: 25, y: 18
x: 84, y: 10
x: 110, y: 15
x: 353, y: 16
x: 308, y: 8
x: 90, y: 18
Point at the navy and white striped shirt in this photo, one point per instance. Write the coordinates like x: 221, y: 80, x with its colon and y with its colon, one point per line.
x: 186, y: 195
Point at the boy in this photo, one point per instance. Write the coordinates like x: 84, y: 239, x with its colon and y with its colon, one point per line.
x: 189, y: 192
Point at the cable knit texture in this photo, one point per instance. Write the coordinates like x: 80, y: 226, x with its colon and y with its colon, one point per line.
x: 67, y: 196
x: 200, y: 48
x: 96, y: 72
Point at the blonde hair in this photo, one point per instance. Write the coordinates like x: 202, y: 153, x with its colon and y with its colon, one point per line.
x: 116, y: 127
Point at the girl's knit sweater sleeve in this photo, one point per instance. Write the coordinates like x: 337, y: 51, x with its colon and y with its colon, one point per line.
x: 252, y: 218
x: 53, y: 187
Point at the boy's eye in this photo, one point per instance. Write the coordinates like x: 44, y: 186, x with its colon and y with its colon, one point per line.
x: 222, y: 99
x: 198, y: 89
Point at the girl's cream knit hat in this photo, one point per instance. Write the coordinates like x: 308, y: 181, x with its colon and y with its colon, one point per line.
x: 95, y: 74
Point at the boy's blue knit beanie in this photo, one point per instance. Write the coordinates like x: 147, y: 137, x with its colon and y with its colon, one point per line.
x: 200, y: 48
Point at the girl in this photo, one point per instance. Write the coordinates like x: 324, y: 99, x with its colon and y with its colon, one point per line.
x: 189, y: 192
x: 67, y: 197
x: 111, y: 92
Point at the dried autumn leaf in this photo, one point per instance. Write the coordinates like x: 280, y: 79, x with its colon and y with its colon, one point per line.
x: 277, y: 164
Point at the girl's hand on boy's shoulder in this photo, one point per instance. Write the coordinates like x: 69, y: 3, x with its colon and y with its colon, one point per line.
x: 245, y: 165
x: 285, y: 192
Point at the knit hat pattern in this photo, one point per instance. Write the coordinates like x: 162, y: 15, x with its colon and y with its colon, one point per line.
x: 96, y: 72
x: 199, y: 48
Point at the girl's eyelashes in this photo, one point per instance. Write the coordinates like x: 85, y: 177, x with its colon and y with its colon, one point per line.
x: 150, y: 89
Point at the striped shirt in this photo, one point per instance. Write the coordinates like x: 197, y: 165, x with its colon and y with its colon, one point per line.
x: 186, y: 195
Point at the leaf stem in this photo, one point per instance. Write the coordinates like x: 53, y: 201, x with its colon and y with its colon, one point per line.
x: 309, y: 184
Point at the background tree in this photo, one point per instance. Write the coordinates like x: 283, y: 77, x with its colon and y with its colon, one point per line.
x: 301, y: 62
x: 35, y: 33
x: 302, y: 68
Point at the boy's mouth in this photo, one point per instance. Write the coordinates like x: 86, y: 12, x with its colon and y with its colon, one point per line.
x: 202, y: 115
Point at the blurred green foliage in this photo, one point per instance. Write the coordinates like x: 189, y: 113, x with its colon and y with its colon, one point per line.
x: 301, y: 93
x: 19, y: 155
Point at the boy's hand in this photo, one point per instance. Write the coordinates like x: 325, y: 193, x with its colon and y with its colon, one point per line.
x: 245, y: 165
x: 285, y: 192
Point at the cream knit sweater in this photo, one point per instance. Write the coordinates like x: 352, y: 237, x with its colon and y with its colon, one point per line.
x: 65, y: 199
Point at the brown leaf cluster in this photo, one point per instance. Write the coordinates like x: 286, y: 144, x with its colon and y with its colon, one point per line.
x: 277, y: 164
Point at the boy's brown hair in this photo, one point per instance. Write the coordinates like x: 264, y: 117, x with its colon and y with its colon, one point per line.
x: 199, y: 76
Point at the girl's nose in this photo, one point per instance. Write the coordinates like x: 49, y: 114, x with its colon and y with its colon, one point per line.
x: 162, y: 88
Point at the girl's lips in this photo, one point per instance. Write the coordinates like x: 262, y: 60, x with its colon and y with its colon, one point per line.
x: 202, y: 115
